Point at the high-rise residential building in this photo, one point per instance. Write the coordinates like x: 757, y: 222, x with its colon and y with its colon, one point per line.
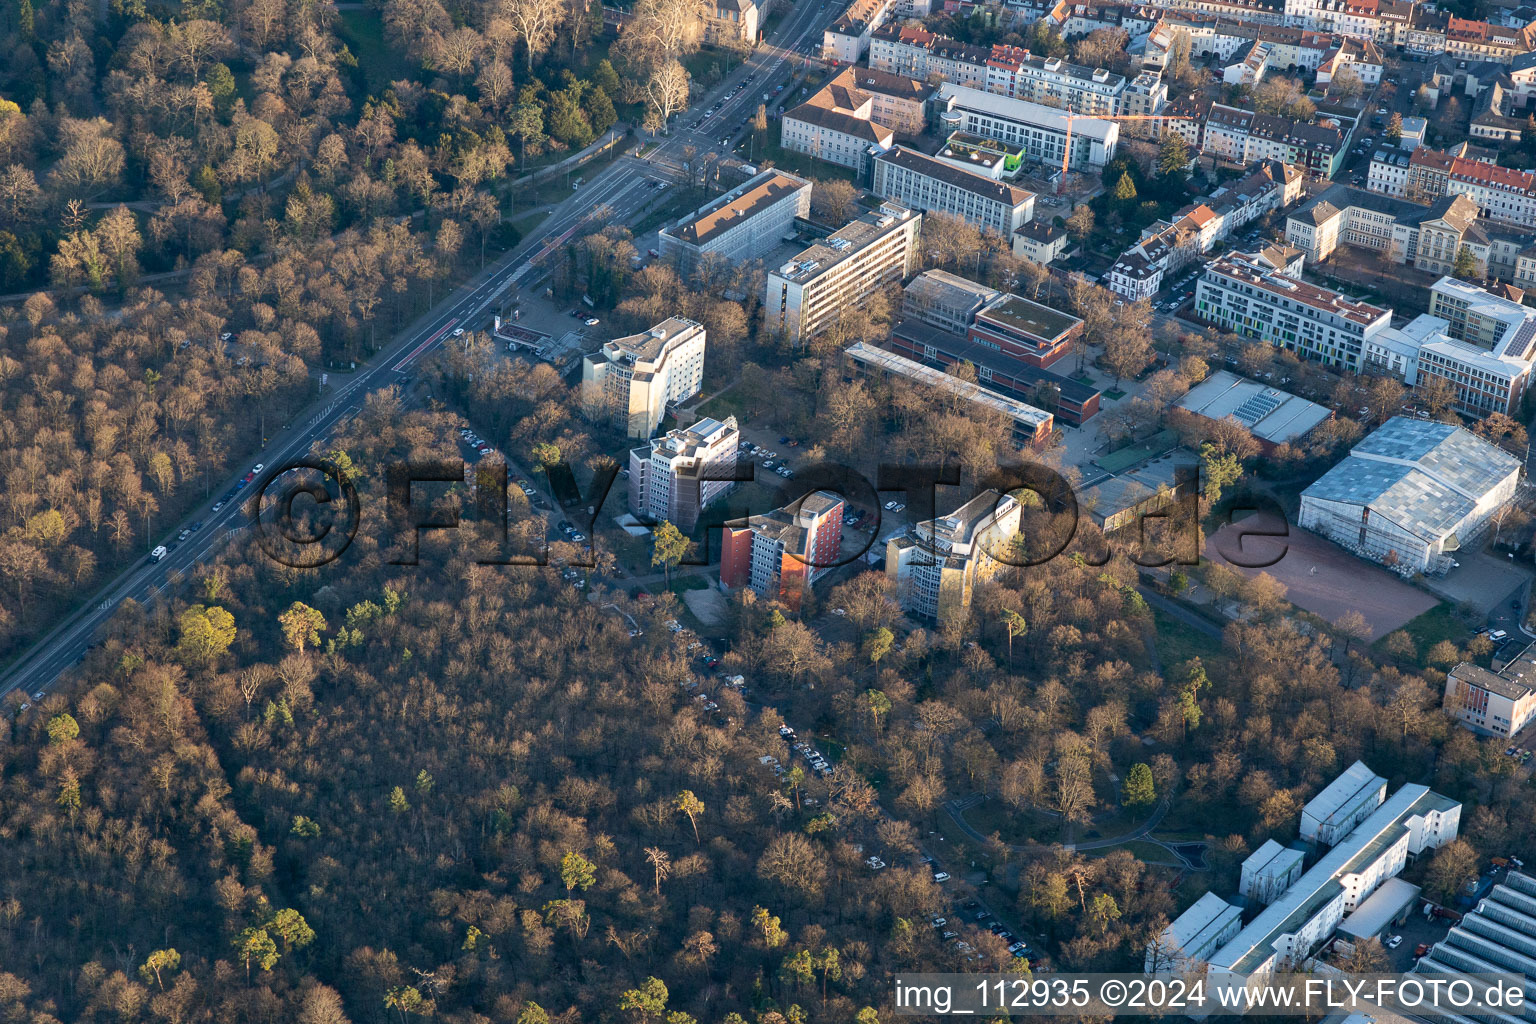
x: 937, y: 564
x: 781, y: 554
x: 809, y: 293
x: 742, y: 225
x: 1250, y: 298
x: 675, y: 477
x: 630, y: 381
x: 938, y: 186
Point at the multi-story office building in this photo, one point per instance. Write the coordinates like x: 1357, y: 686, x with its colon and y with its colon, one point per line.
x: 631, y: 381
x: 990, y: 158
x: 1238, y: 293
x: 1033, y: 333
x: 809, y: 293
x: 742, y: 225
x: 898, y: 102
x: 781, y: 554
x: 1413, y: 822
x: 1484, y: 378
x: 938, y: 186
x: 937, y: 564
x: 1489, y: 350
x: 1065, y: 398
x: 1412, y: 495
x: 826, y: 128
x: 675, y: 477
x: 947, y: 301
x: 1496, y: 701
x: 1029, y: 427
x: 1040, y: 130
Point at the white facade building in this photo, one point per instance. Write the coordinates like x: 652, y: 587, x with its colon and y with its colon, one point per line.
x: 742, y: 225
x: 1249, y: 298
x: 1412, y: 821
x: 1194, y: 935
x: 631, y: 381
x: 809, y: 293
x: 1269, y: 871
x: 675, y: 477
x: 1040, y: 130
x: 1344, y: 803
x: 931, y: 185
x: 1412, y: 494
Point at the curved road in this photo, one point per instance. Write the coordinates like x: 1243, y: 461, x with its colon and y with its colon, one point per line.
x: 623, y: 188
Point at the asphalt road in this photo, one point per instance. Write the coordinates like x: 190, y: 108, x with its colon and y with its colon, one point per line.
x: 623, y: 187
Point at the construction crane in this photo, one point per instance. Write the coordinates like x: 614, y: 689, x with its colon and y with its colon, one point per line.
x: 1066, y: 149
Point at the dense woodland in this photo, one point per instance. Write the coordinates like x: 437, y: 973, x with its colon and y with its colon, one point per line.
x: 372, y: 792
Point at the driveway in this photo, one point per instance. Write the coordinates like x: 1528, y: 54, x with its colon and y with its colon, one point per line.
x: 1482, y: 580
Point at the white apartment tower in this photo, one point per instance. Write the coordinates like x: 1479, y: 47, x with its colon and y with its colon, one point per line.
x: 631, y: 381
x: 676, y: 476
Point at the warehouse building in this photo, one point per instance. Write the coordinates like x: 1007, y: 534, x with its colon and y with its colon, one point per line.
x: 1272, y: 416
x: 1411, y: 495
x: 1497, y: 937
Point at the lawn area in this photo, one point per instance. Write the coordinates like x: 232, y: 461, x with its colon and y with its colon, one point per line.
x: 725, y: 405
x: 1437, y: 624
x: 363, y: 32
x: 799, y: 163
x: 1143, y: 850
x: 1177, y: 642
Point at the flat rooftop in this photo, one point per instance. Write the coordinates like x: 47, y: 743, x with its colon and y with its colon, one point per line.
x: 1021, y: 314
x: 1323, y: 300
x: 890, y: 362
x: 845, y: 242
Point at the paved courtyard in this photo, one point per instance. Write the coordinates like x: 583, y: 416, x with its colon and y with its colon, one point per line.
x: 1483, y: 581
x: 1320, y: 577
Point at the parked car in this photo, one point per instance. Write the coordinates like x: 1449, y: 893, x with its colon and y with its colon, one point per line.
x: 941, y: 876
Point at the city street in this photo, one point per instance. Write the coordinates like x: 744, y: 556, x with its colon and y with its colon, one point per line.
x: 621, y: 188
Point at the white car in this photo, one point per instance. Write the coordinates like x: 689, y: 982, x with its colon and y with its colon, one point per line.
x: 941, y: 876
x: 593, y: 321
x: 1394, y: 942
x: 258, y: 467
x: 890, y: 506
x: 458, y: 332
